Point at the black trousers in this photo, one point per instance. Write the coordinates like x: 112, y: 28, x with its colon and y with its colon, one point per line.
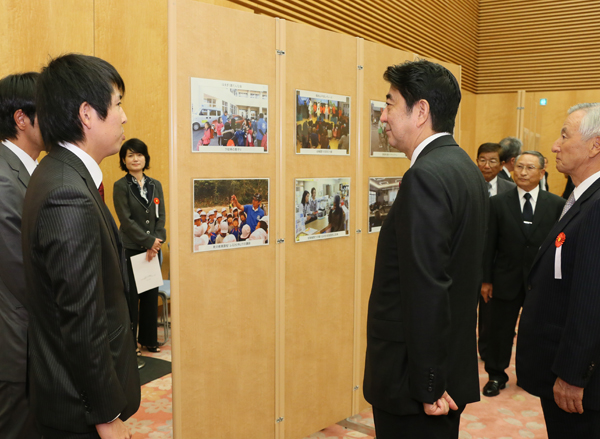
x: 501, y: 333
x: 563, y: 425
x: 421, y: 426
x: 148, y: 307
x: 16, y: 421
x: 483, y: 327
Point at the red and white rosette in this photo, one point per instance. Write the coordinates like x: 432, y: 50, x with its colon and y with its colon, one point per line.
x: 558, y: 242
x: 156, y: 203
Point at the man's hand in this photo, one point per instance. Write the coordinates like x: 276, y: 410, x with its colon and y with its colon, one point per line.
x: 441, y: 407
x: 114, y: 430
x: 486, y: 291
x: 568, y: 397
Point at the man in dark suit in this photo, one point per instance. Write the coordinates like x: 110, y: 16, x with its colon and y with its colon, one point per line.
x: 490, y: 165
x: 19, y: 150
x: 520, y: 220
x: 558, y: 346
x: 84, y: 379
x: 511, y: 148
x: 421, y: 358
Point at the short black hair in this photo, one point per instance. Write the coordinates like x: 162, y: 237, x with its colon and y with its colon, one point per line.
x: 490, y: 147
x: 64, y: 84
x: 537, y: 154
x: 511, y: 147
x: 17, y: 92
x: 416, y: 80
x: 135, y: 145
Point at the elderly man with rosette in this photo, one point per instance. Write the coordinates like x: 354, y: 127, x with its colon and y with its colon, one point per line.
x: 558, y: 344
x: 83, y: 374
x: 421, y: 361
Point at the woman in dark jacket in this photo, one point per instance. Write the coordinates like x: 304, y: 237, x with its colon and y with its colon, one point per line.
x: 140, y: 206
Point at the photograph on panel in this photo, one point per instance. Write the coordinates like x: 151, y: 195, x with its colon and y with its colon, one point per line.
x: 379, y: 141
x: 322, y: 123
x: 229, y: 116
x: 230, y: 213
x: 382, y: 194
x: 322, y: 208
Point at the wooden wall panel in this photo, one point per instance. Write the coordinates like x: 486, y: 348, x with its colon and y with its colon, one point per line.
x: 439, y: 28
x: 496, y: 118
x: 319, y: 296
x: 32, y: 32
x: 376, y: 60
x: 538, y: 45
x: 468, y: 123
x: 224, y: 301
x: 132, y: 36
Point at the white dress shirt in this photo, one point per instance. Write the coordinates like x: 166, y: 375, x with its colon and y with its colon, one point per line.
x: 585, y: 184
x: 90, y: 164
x: 533, y: 200
x: 493, y: 186
x: 25, y: 158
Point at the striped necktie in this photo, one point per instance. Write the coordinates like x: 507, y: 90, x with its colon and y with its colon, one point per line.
x: 568, y: 205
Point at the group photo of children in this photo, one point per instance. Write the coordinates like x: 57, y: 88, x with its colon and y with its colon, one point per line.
x: 379, y: 141
x: 322, y: 123
x: 229, y: 116
x: 230, y: 213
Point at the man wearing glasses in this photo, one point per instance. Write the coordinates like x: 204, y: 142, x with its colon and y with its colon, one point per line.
x: 520, y: 219
x: 490, y: 165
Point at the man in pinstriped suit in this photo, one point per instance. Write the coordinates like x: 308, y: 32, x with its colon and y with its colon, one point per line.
x: 84, y: 378
x: 558, y: 347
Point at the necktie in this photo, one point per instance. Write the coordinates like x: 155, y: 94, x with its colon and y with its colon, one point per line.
x: 568, y: 205
x: 527, y: 212
x: 489, y: 189
x: 101, y: 190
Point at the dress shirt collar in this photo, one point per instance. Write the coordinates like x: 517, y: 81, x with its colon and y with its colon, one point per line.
x: 25, y: 158
x: 423, y: 144
x: 493, y: 186
x: 506, y: 171
x: 87, y: 160
x: 585, y: 184
x: 534, y: 196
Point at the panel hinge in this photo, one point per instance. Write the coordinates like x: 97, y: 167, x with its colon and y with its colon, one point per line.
x: 358, y: 230
x: 281, y: 52
x: 360, y: 67
x: 278, y: 420
x: 520, y: 108
x: 280, y: 241
x: 355, y: 388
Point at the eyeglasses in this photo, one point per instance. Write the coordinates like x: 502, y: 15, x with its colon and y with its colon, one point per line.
x: 530, y: 168
x: 491, y: 162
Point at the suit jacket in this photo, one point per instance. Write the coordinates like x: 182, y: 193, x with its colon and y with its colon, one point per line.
x: 510, y: 249
x: 83, y: 367
x: 14, y: 178
x: 139, y: 224
x: 559, y: 330
x: 423, y: 304
x: 504, y: 176
x: 504, y: 185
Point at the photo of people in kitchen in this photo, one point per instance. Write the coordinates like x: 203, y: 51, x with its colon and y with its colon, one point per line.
x: 382, y: 194
x: 322, y: 208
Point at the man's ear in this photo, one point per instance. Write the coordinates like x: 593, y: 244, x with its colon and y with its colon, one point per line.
x: 85, y: 114
x: 513, y: 161
x: 422, y: 112
x: 20, y: 119
x: 595, y: 146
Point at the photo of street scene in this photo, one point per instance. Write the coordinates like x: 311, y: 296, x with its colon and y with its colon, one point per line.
x: 382, y: 194
x: 379, y: 141
x: 229, y: 116
x: 322, y: 123
x: 230, y: 213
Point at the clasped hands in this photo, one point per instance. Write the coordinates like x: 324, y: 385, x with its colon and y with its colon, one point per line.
x: 153, y: 251
x: 569, y: 398
x: 440, y: 407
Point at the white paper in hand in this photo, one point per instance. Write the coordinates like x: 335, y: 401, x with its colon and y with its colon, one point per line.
x: 147, y: 275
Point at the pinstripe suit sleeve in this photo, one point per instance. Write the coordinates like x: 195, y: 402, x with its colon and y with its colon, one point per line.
x: 69, y: 236
x: 579, y: 347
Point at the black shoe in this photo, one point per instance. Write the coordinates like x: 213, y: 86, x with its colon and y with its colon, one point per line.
x: 154, y: 349
x: 492, y: 388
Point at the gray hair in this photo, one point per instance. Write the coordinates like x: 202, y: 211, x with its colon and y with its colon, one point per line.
x: 536, y: 154
x: 590, y: 124
x: 511, y: 147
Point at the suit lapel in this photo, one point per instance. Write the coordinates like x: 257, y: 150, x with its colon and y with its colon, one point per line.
x: 514, y: 206
x: 15, y: 164
x: 565, y: 220
x: 541, y: 208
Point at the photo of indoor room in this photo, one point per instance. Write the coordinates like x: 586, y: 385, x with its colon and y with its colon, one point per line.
x: 382, y: 194
x: 322, y: 208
